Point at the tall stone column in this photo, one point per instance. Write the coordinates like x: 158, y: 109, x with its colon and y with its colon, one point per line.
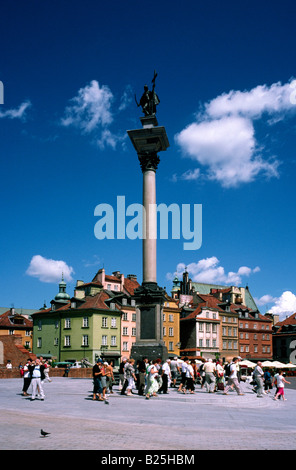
x: 148, y: 141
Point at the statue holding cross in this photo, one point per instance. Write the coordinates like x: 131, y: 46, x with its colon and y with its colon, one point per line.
x: 149, y: 100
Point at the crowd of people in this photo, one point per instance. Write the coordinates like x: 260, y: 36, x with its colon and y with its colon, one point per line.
x: 151, y: 378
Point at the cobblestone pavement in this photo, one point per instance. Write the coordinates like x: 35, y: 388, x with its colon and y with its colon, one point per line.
x: 175, y: 421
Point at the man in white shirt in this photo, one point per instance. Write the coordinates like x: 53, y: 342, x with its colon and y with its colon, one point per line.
x: 232, y: 379
x: 166, y: 375
x: 36, y: 370
x: 210, y: 371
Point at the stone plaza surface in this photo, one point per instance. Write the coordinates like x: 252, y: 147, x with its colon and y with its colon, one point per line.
x: 172, y: 422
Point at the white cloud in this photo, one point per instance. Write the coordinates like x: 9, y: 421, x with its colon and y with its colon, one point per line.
x: 265, y: 300
x: 49, y: 270
x: 18, y: 113
x: 90, y: 108
x: 91, y: 112
x: 209, y: 271
x: 222, y: 139
x: 285, y: 305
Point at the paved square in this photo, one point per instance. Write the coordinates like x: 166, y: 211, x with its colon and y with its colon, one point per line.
x: 170, y: 422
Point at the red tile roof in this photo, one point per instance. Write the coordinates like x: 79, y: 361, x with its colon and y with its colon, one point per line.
x: 6, y: 321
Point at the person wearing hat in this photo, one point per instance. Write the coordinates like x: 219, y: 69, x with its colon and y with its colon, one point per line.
x: 97, y: 373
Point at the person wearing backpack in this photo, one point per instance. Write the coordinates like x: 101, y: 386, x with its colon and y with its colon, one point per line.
x: 232, y: 378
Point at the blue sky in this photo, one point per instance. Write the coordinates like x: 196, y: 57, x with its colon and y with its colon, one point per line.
x: 226, y: 74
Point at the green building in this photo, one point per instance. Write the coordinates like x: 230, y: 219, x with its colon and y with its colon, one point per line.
x: 86, y: 326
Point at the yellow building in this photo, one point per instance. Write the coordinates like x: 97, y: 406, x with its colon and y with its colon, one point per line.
x: 171, y: 326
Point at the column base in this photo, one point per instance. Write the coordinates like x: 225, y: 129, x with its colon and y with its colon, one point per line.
x: 149, y: 350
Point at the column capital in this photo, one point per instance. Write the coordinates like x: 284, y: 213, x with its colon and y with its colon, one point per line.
x: 148, y: 161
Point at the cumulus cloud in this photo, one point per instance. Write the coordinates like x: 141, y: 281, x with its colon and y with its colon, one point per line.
x: 91, y: 112
x: 49, y: 270
x: 17, y: 113
x: 222, y: 138
x: 284, y: 306
x: 209, y: 271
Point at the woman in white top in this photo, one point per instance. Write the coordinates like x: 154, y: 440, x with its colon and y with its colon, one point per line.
x: 280, y: 383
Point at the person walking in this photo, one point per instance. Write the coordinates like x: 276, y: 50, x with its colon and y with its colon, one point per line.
x: 131, y: 376
x: 37, y: 374
x: 166, y: 375
x: 46, y: 371
x: 189, y: 378
x: 121, y: 372
x: 258, y: 378
x: 267, y: 381
x: 210, y: 375
x: 183, y: 374
x: 142, y: 368
x: 174, y: 371
x: 232, y: 378
x: 26, y: 377
x: 220, y: 380
x: 97, y: 388
x: 281, y: 386
x: 152, y: 384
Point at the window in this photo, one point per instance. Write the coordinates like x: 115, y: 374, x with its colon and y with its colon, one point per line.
x: 67, y: 341
x: 85, y: 322
x: 255, y: 326
x: 124, y: 346
x: 214, y: 316
x: 39, y: 342
x: 67, y: 323
x: 163, y: 331
x: 124, y: 316
x: 39, y: 325
x: 84, y: 340
x: 229, y: 331
x: 171, y: 331
x: 109, y: 286
x: 104, y: 322
x: 200, y: 327
x: 241, y: 336
x: 171, y: 346
x: 234, y: 331
x: 125, y: 331
x: 200, y: 343
x: 104, y: 340
x: 214, y: 343
x: 27, y: 344
x: 214, y: 328
x: 134, y: 317
x: 133, y: 331
x: 28, y: 332
x: 207, y: 343
x: 224, y: 331
x: 56, y: 342
x: 56, y: 324
x: 171, y: 317
x: 113, y: 322
x: 11, y: 332
x: 208, y: 327
x: 113, y: 340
